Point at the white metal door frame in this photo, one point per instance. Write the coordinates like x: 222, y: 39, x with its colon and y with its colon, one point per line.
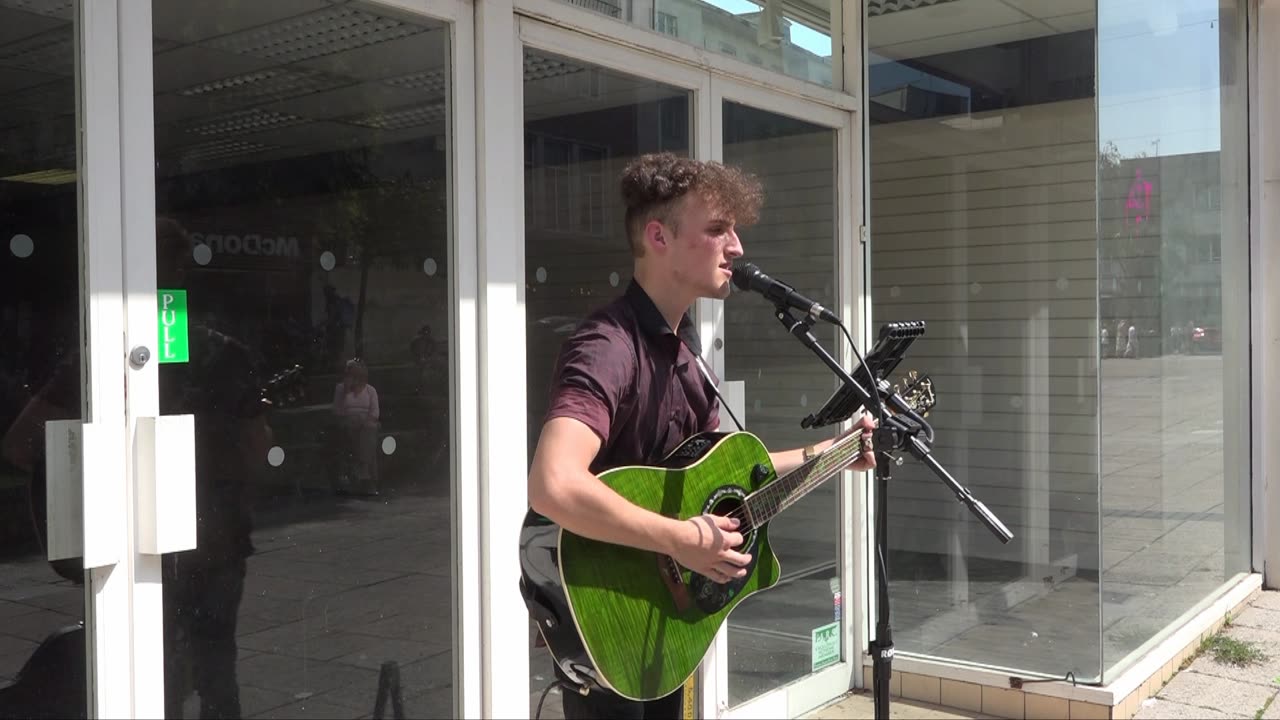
x: 106, y: 509
x: 621, y: 34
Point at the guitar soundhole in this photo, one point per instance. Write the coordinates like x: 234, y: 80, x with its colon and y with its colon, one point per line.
x: 709, y: 595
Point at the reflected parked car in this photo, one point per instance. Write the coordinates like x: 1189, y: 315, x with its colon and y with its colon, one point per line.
x: 1206, y: 339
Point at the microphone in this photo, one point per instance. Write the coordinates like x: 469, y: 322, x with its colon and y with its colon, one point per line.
x: 749, y: 277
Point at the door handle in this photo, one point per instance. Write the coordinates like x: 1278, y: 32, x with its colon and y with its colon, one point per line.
x: 82, y: 520
x: 165, y: 475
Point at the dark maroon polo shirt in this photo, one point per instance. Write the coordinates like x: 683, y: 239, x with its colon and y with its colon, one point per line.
x: 633, y: 381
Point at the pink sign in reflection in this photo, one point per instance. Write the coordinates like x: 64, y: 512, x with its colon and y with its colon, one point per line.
x: 1138, y: 205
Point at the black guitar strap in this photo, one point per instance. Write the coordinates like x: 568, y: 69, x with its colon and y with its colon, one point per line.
x: 706, y: 373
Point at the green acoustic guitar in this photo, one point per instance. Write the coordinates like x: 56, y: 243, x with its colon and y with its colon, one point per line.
x: 635, y: 622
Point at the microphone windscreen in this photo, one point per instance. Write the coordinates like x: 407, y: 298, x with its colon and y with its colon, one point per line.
x: 742, y: 275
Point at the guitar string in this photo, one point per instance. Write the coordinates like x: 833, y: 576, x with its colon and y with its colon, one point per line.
x: 832, y: 457
x: 774, y: 495
x: 839, y: 454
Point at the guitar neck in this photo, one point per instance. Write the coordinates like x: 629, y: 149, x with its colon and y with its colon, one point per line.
x: 768, y: 501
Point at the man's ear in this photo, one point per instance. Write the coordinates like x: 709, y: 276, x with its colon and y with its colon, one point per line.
x: 656, y: 237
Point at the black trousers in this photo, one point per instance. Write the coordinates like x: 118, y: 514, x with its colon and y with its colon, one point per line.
x: 601, y: 704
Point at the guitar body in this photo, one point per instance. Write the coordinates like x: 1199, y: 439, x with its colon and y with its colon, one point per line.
x: 644, y: 622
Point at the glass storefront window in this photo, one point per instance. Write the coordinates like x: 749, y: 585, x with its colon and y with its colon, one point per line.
x: 1082, y: 260
x: 1174, y: 324
x: 983, y: 219
x: 792, y: 37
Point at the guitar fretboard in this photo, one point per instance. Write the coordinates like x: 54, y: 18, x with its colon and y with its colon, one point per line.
x: 782, y: 493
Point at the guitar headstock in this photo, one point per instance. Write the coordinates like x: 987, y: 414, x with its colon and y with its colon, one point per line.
x: 917, y: 390
x: 286, y: 388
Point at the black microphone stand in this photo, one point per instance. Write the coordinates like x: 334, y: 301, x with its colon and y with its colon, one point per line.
x: 893, y: 433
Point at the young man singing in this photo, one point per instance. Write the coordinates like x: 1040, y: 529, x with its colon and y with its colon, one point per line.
x: 627, y: 387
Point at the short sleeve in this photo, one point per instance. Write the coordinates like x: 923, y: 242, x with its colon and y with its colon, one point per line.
x: 595, y: 371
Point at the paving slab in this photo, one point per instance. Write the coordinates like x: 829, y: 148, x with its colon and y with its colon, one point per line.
x: 1267, y: 600
x: 1258, y: 617
x: 1263, y: 674
x: 1238, y: 699
x: 1155, y: 709
x: 1267, y: 640
x: 862, y: 705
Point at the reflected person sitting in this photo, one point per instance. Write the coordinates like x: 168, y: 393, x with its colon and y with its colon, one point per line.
x: 355, y: 406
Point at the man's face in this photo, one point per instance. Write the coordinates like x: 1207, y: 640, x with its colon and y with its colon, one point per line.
x: 703, y: 248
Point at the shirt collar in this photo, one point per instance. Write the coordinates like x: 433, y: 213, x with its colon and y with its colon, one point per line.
x: 652, y: 322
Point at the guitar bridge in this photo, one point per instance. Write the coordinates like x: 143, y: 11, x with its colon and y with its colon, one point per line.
x: 679, y: 589
x: 674, y: 570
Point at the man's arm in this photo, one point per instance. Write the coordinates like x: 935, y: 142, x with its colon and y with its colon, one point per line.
x: 562, y: 487
x: 784, y: 461
x: 375, y: 412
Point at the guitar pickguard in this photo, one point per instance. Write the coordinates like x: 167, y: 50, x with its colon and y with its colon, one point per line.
x: 711, y: 596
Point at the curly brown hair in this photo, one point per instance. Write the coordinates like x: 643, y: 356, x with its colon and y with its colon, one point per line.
x: 653, y: 186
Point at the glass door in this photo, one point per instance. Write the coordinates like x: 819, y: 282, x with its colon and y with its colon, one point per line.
x: 584, y: 122
x: 295, y: 269
x: 794, y: 646
x: 64, y: 573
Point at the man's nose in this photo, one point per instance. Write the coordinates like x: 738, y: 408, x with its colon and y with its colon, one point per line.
x: 734, y: 248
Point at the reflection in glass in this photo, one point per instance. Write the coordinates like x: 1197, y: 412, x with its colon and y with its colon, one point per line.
x: 983, y: 219
x: 42, y: 608
x: 770, y: 633
x: 1173, y: 331
x: 582, y: 125
x: 792, y: 38
x: 303, y: 199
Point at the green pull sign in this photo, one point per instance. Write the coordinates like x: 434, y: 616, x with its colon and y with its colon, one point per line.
x: 173, y: 326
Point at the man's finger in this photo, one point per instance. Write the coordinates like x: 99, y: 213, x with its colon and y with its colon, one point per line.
x: 725, y: 522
